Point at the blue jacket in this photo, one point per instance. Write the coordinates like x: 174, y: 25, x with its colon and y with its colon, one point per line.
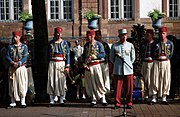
x: 17, y: 54
x: 168, y: 49
x: 96, y: 50
x: 125, y: 51
x: 60, y: 48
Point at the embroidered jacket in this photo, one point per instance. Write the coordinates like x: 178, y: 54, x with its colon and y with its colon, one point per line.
x: 17, y: 54
x: 163, y: 49
x: 60, y: 48
x: 96, y: 50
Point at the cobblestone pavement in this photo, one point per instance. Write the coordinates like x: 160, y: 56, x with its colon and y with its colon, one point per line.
x: 83, y: 109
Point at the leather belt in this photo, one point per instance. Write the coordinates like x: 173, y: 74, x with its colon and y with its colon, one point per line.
x: 56, y: 60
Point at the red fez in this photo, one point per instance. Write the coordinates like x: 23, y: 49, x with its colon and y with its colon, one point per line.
x: 90, y: 32
x: 163, y: 29
x: 58, y: 30
x: 16, y: 33
x: 150, y: 31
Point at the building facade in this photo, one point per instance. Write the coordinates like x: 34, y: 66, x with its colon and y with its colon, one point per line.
x: 115, y: 14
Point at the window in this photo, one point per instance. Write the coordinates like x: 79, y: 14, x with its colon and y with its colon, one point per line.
x: 17, y: 8
x: 173, y: 8
x: 10, y: 9
x: 121, y: 9
x: 61, y: 9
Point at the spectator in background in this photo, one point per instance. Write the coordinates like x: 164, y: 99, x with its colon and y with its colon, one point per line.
x: 78, y: 50
x: 71, y: 88
x: 175, y: 68
x: 31, y: 90
x: 104, y: 61
x: 147, y: 61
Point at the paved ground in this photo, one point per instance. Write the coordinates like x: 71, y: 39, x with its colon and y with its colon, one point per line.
x: 81, y: 108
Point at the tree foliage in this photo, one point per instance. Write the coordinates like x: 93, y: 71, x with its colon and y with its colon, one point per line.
x: 138, y: 39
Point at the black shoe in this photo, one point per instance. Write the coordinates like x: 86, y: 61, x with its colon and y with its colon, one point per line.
x: 129, y: 107
x: 93, y: 103
x: 164, y: 103
x: 23, y: 106
x: 152, y: 103
x: 65, y: 100
x: 50, y: 105
x: 62, y: 104
x: 146, y: 101
x: 116, y: 107
x: 104, y: 104
x: 10, y: 107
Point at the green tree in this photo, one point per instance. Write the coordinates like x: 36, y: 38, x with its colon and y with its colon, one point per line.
x: 138, y: 39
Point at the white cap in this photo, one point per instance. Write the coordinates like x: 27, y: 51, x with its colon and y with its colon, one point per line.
x: 122, y: 31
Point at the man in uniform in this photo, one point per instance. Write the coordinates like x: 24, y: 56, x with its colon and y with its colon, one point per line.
x: 94, y: 82
x: 30, y: 96
x: 59, y: 64
x: 122, y: 55
x: 162, y: 52
x: 147, y: 61
x: 104, y: 61
x: 18, y: 79
x: 78, y: 50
